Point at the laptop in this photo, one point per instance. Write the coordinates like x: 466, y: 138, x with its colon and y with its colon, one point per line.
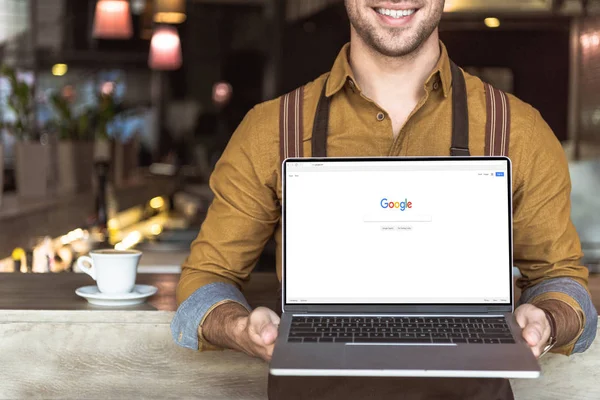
x: 399, y: 267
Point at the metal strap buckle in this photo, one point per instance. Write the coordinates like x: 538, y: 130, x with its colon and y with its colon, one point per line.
x: 548, y: 348
x: 460, y: 150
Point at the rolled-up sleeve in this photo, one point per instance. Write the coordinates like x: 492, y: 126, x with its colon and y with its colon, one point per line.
x: 547, y: 249
x: 241, y: 219
x: 191, y: 313
x: 573, y: 293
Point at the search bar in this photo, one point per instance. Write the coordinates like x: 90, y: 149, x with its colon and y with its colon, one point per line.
x: 396, y: 218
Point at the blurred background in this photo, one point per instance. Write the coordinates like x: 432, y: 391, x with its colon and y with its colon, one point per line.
x: 114, y: 112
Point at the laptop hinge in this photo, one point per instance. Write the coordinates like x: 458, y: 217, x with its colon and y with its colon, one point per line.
x: 296, y: 310
x: 498, y: 309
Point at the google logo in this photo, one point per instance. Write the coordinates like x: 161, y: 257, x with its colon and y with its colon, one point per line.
x: 391, y: 204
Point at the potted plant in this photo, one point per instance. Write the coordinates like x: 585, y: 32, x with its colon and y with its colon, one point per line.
x: 32, y: 159
x: 75, y: 146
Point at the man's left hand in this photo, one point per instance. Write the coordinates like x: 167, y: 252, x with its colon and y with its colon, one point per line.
x: 535, y: 325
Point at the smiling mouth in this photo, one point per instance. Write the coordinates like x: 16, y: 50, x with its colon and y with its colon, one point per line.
x: 396, y: 14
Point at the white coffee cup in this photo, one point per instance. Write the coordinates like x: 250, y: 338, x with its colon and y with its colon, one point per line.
x: 113, y: 270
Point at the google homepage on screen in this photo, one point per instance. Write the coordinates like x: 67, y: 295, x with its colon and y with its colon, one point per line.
x: 397, y: 232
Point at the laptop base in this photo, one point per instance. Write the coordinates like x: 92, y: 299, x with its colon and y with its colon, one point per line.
x: 453, y: 360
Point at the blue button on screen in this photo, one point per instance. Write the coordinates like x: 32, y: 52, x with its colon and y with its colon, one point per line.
x: 499, y: 173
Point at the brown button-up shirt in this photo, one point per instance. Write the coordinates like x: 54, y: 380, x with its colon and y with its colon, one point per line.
x: 247, y: 179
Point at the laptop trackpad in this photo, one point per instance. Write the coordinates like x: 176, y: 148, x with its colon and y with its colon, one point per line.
x: 398, y: 357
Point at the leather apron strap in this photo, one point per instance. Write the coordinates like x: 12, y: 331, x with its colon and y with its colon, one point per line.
x: 497, y: 127
x: 321, y: 125
x: 460, y: 114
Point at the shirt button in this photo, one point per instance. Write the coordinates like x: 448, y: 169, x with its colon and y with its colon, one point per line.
x: 436, y: 85
x: 380, y: 116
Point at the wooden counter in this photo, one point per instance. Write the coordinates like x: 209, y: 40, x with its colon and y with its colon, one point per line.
x: 57, y: 291
x: 131, y: 355
x: 52, y: 353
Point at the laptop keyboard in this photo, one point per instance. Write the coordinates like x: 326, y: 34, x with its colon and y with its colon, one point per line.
x: 400, y: 330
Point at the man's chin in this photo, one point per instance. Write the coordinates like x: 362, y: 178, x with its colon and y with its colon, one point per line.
x: 394, y: 50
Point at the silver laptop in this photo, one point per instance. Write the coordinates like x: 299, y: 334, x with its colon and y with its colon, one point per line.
x: 399, y: 267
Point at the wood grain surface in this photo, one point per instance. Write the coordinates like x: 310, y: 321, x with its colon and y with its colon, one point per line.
x: 100, y: 359
x: 130, y: 354
x: 57, y: 291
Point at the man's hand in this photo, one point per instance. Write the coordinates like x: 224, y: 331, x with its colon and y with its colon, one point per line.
x: 256, y: 333
x: 535, y: 325
x: 231, y: 326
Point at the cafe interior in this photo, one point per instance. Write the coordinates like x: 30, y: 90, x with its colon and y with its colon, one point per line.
x: 113, y: 114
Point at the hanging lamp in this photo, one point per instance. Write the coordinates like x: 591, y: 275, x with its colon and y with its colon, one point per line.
x: 112, y: 20
x: 165, y: 49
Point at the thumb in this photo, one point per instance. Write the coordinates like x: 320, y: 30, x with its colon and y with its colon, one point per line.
x: 532, y: 334
x: 263, y: 326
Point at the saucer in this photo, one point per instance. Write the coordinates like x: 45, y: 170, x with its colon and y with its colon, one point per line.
x: 138, y: 295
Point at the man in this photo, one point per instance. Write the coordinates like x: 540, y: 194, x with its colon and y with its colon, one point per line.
x: 390, y: 95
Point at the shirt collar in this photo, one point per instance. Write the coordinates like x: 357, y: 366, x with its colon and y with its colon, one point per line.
x: 341, y: 72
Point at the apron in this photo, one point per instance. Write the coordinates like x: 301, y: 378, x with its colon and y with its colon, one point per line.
x: 497, y: 135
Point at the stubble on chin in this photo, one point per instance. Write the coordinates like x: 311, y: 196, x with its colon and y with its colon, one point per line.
x: 394, y: 43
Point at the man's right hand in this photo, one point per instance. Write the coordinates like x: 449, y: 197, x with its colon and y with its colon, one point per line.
x: 231, y: 326
x: 256, y: 333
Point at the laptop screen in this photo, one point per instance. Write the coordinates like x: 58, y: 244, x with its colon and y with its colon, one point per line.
x: 407, y: 231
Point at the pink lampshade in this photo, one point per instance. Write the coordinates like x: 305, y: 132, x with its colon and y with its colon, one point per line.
x: 165, y: 49
x: 113, y: 20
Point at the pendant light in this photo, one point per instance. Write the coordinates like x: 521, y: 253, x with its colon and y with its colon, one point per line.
x: 165, y: 49
x: 169, y: 11
x: 112, y: 20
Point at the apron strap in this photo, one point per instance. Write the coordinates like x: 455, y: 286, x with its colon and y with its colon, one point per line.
x: 291, y: 124
x: 321, y: 125
x: 460, y: 114
x: 291, y: 133
x: 497, y: 127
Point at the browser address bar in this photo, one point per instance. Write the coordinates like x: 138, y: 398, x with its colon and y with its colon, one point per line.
x: 396, y: 218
